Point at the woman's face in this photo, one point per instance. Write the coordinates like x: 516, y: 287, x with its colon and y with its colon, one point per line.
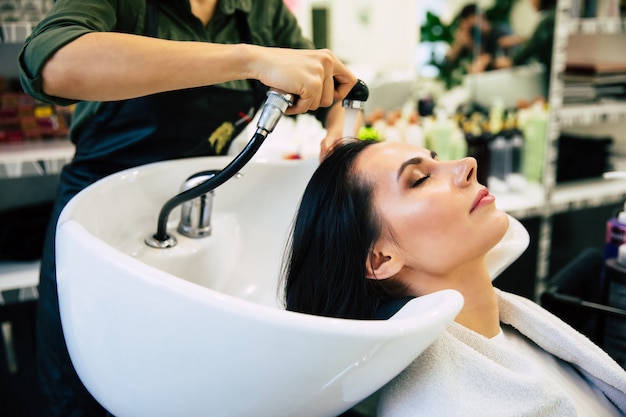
x: 435, y: 212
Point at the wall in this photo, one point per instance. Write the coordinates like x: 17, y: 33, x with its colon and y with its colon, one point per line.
x: 382, y: 37
x: 371, y: 36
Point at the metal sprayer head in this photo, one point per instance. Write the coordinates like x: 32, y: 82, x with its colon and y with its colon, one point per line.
x: 357, y: 97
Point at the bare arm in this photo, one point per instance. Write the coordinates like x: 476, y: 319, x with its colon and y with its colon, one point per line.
x: 104, y: 66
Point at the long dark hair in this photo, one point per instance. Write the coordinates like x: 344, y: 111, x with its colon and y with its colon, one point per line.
x: 335, y: 227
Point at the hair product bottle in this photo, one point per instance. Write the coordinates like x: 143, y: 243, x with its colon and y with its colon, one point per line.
x: 534, y: 124
x: 615, y: 234
x: 499, y: 168
x: 615, y: 327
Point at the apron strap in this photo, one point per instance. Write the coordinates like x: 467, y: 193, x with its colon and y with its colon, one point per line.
x: 151, y: 27
x: 245, y: 35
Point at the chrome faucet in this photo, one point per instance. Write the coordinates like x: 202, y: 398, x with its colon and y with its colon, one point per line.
x: 195, y: 214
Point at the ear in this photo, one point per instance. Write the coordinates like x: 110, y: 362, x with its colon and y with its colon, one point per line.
x: 383, y: 262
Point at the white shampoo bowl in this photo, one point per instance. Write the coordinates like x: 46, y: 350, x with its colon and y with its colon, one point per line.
x: 197, y: 330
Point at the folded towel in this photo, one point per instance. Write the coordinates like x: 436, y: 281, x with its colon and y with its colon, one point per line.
x: 465, y: 374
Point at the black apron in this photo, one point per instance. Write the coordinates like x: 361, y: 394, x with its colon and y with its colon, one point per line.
x: 199, y: 121
x: 193, y: 122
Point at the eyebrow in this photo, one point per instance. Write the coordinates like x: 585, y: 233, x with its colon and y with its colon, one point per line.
x: 414, y: 161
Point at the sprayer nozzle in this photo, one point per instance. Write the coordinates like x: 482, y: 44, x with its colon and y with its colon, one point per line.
x: 357, y: 96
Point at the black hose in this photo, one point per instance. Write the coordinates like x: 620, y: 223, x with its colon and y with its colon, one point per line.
x: 274, y: 108
x: 220, y: 178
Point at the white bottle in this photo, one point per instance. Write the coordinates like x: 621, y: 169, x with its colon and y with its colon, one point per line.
x: 392, y: 130
x: 413, y: 133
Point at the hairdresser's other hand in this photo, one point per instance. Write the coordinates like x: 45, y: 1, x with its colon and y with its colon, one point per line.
x: 317, y: 76
x: 335, y: 134
x: 328, y: 143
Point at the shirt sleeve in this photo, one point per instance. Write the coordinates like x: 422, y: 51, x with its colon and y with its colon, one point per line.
x: 66, y: 21
x: 539, y: 40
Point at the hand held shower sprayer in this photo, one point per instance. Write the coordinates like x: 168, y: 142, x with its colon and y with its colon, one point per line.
x: 275, y: 106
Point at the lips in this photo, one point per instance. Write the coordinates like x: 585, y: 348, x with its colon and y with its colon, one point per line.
x: 482, y: 198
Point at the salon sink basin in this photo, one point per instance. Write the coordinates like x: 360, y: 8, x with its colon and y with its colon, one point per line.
x: 198, y: 329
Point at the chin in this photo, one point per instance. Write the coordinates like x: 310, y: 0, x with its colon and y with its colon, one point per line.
x: 501, y: 221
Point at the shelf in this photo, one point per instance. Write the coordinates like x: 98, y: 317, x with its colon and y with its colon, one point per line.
x: 593, y: 113
x: 45, y: 157
x: 593, y: 26
x: 587, y: 193
x: 528, y: 203
x: 16, y: 32
x: 22, y: 276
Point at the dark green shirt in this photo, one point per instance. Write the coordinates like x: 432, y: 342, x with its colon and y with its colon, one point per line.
x: 539, y: 46
x: 271, y: 24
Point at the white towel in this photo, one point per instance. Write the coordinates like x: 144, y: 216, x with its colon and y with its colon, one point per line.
x: 465, y: 374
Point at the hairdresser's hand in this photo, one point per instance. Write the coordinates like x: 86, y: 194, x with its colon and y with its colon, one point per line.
x: 335, y: 130
x: 317, y: 76
x: 329, y: 143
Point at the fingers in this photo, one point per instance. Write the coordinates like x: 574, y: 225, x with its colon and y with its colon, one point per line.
x: 328, y: 145
x: 317, y: 77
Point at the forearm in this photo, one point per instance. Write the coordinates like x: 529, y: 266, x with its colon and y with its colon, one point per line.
x: 334, y: 122
x: 113, y: 66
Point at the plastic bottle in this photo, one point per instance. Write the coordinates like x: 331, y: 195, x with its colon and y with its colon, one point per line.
x: 439, y: 135
x: 413, y: 133
x: 534, y: 127
x: 496, y: 115
x: 615, y: 234
x: 393, y: 132
x: 614, y: 327
x: 477, y: 147
x: 515, y: 179
x: 499, y: 168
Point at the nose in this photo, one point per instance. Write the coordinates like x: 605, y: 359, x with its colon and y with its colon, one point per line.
x: 465, y: 171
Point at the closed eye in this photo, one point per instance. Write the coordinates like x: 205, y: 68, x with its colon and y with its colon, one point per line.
x: 420, y: 181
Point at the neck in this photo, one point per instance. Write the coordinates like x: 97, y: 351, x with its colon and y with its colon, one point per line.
x: 203, y: 9
x: 480, y: 308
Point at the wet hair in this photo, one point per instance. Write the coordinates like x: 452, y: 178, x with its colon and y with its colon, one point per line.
x: 334, y: 230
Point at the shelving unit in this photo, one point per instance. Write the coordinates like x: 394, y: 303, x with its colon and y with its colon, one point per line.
x: 45, y: 157
x: 24, y: 160
x: 28, y: 159
x: 577, y: 195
